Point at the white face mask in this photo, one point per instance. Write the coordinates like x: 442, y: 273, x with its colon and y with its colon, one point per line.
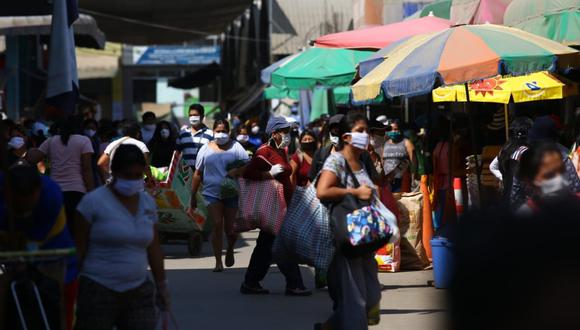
x: 285, y: 141
x: 334, y: 140
x: 359, y: 140
x: 553, y: 185
x: 165, y: 133
x: 128, y: 188
x: 194, y: 120
x: 242, y: 138
x: 90, y: 132
x: 255, y: 130
x: 16, y: 142
x: 149, y: 127
x: 221, y: 138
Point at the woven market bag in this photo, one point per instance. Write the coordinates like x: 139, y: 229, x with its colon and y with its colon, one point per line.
x: 261, y: 205
x: 305, y: 234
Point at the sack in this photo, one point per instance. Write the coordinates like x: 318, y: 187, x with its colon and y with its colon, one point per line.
x: 413, y: 254
x: 305, y: 235
x: 262, y: 206
x: 229, y: 188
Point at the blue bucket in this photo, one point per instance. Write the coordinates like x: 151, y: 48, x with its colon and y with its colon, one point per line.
x: 443, y: 261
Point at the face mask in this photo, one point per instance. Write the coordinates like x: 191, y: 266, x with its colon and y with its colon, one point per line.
x: 242, y: 138
x: 255, y: 130
x: 165, y: 133
x: 308, y: 146
x: 221, y: 138
x: 149, y: 127
x: 359, y: 140
x: 16, y: 142
x: 553, y: 185
x: 195, y: 120
x: 285, y: 141
x: 128, y: 188
x: 90, y: 132
x: 334, y: 140
x: 395, y: 136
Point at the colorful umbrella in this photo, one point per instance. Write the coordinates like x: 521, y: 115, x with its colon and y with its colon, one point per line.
x: 457, y: 55
x: 478, y: 11
x: 556, y: 20
x: 319, y: 66
x: 382, y: 36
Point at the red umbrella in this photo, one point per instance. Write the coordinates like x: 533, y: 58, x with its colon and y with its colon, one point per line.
x: 381, y: 36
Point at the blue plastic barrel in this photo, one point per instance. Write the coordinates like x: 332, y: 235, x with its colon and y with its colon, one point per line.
x: 443, y: 261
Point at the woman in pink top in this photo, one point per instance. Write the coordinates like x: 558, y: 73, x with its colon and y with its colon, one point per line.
x: 69, y: 155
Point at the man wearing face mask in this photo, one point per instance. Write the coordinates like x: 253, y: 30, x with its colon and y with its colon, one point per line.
x: 90, y: 127
x: 16, y: 146
x: 398, y: 156
x: 192, y: 138
x: 149, y: 122
x: 36, y: 210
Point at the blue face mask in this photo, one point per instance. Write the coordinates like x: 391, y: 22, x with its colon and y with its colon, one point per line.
x: 395, y: 135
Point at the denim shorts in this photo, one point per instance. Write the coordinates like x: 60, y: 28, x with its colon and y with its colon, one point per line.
x: 230, y: 203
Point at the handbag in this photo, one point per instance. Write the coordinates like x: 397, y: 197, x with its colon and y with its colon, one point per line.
x: 360, y: 227
x: 305, y: 235
x: 262, y: 206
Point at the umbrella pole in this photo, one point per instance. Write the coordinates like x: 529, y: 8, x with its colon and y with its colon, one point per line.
x: 473, y: 143
x: 507, y: 121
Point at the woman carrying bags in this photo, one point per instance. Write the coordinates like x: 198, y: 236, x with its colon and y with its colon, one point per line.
x: 211, y: 167
x: 353, y: 281
x: 302, y: 159
x: 273, y: 152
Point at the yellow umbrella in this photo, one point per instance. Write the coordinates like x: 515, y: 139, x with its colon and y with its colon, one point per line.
x: 533, y: 87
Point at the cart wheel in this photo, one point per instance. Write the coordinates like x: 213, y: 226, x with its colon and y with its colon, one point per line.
x: 194, y: 244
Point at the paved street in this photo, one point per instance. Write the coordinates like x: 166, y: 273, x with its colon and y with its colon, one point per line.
x: 205, y: 300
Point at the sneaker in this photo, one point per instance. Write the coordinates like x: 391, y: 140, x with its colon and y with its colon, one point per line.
x: 255, y: 290
x: 298, y: 292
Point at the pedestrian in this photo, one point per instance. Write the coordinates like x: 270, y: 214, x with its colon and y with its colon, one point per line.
x: 149, y: 123
x: 192, y: 138
x: 274, y: 153
x: 131, y: 136
x: 212, y: 164
x: 17, y: 146
x: 353, y: 281
x: 398, y: 157
x: 256, y: 135
x: 505, y: 165
x: 117, y: 241
x: 302, y: 159
x: 162, y: 145
x: 70, y: 157
x: 243, y: 138
x: 36, y: 210
x: 90, y: 129
x: 542, y: 167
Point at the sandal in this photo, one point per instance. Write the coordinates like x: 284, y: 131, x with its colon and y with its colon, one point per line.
x: 256, y: 290
x: 230, y: 260
x: 218, y: 269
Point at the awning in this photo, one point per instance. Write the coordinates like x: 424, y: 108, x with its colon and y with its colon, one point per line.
x: 147, y: 22
x: 87, y: 33
x: 98, y: 64
x: 203, y: 76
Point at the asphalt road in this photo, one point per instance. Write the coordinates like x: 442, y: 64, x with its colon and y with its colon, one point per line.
x: 202, y: 299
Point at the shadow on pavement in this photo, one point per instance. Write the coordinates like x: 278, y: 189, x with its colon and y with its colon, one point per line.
x: 411, y: 311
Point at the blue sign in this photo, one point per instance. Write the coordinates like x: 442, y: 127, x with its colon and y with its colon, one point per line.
x: 176, y: 55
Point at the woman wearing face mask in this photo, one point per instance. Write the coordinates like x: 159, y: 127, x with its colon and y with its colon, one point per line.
x: 542, y: 168
x: 243, y: 138
x: 302, y: 159
x: 398, y: 155
x: 162, y: 145
x: 211, y: 168
x: 278, y: 169
x: 353, y: 281
x: 117, y: 242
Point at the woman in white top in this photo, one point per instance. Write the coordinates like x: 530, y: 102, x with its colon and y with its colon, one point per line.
x: 69, y: 156
x: 212, y: 167
x: 117, y: 241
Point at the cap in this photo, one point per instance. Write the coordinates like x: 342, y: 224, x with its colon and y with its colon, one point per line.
x: 335, y: 120
x: 277, y: 123
x: 383, y: 119
x: 544, y: 129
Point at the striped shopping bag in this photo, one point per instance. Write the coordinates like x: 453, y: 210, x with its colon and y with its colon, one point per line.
x: 261, y: 205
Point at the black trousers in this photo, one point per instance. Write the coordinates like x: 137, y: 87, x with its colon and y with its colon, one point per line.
x: 262, y: 259
x: 71, y: 201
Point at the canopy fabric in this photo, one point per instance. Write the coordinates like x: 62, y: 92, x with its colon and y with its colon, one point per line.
x: 461, y: 54
x: 478, y: 11
x: 341, y: 94
x: 558, y: 20
x: 266, y: 74
x: 441, y: 8
x: 534, y: 87
x: 382, y: 36
x: 319, y: 66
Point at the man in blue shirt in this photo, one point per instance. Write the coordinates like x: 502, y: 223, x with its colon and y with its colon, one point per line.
x: 192, y: 138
